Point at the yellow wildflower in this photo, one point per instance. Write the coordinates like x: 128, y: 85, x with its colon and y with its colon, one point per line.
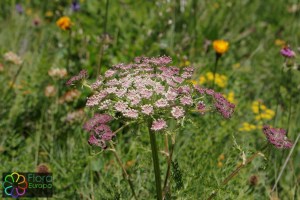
x: 210, y: 76
x: 221, y: 157
x: 202, y: 80
x: 64, y: 23
x: 220, y: 164
x: 236, y: 66
x: 230, y: 97
x: 29, y: 11
x: 49, y: 14
x: 279, y: 42
x: 247, y: 127
x: 220, y: 46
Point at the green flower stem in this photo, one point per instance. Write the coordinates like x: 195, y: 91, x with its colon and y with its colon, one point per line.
x: 215, y: 69
x: 170, y: 154
x: 285, y: 163
x: 124, y: 172
x: 155, y: 163
x: 69, y: 50
x: 290, y: 100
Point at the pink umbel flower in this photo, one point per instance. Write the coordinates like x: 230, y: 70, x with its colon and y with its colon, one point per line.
x: 161, y: 103
x: 158, y: 125
x: 177, y: 112
x: 186, y: 100
x: 109, y: 73
x: 223, y: 106
x: 147, y: 109
x: 277, y: 137
x: 131, y: 113
x: 143, y: 90
x: 121, y: 106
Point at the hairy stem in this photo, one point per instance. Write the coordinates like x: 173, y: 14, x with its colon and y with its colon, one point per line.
x: 235, y: 172
x: 154, y: 151
x: 285, y: 163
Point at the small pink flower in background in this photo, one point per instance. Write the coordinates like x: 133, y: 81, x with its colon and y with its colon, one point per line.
x: 50, y: 91
x: 287, y: 52
x: 177, y: 112
x: 13, y: 58
x: 69, y: 96
x: 74, y: 116
x: 277, y: 137
x: 158, y: 125
x: 57, y: 73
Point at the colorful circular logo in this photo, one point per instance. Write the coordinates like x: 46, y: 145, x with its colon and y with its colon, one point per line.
x: 15, y: 185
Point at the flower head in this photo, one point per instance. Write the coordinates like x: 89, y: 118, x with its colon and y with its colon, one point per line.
x: 277, y: 137
x: 287, y: 52
x: 19, y: 8
x: 13, y: 58
x: 158, y: 125
x: 145, y: 90
x: 75, y: 6
x: 220, y: 46
x: 64, y: 23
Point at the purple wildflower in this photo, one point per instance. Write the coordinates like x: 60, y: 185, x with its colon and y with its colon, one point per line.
x: 75, y: 6
x: 277, y: 137
x: 82, y: 74
x: 158, y: 125
x: 19, y: 8
x: 224, y: 107
x: 96, y: 120
x: 201, y: 107
x: 287, y: 52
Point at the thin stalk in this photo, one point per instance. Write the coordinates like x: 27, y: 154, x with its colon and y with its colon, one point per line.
x: 168, y: 169
x: 290, y: 100
x: 285, y: 163
x: 124, y: 172
x: 236, y: 171
x: 13, y: 81
x: 154, y: 151
x: 215, y: 70
x: 101, y: 51
x: 69, y: 50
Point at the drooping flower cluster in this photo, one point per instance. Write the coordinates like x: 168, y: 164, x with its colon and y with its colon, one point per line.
x: 277, y: 137
x: 222, y: 105
x: 100, y: 131
x: 149, y: 89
